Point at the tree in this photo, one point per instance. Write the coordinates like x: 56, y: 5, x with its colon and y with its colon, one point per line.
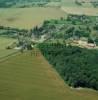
x: 94, y: 36
x: 78, y: 3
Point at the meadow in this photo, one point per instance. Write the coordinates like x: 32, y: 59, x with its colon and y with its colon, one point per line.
x: 26, y: 77
x: 28, y: 17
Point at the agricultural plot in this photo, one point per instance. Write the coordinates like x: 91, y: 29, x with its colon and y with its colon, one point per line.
x: 70, y: 7
x: 26, y: 77
x: 28, y: 17
x: 4, y: 42
x: 81, y: 11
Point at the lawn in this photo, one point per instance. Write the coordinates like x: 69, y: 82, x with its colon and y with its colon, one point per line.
x: 28, y: 17
x: 26, y: 77
x: 4, y: 42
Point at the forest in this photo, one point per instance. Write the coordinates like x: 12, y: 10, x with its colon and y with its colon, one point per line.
x: 77, y: 66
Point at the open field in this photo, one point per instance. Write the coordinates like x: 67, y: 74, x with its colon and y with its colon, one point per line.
x: 4, y: 42
x: 81, y: 10
x: 26, y: 77
x: 28, y: 17
x: 70, y: 7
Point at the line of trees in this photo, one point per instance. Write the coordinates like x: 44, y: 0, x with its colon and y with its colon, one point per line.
x: 11, y: 32
x: 24, y: 3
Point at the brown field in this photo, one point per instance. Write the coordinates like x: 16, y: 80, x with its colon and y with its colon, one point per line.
x: 26, y: 77
x: 28, y: 17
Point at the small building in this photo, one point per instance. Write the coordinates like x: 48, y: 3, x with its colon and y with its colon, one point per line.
x: 80, y: 42
x: 92, y: 45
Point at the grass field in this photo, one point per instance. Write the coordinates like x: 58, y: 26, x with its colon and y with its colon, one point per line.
x: 4, y: 42
x: 28, y: 17
x: 26, y: 77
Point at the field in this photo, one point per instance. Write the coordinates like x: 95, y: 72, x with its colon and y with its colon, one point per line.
x: 26, y: 77
x: 4, y: 42
x: 28, y: 17
x: 70, y: 7
x: 29, y: 77
x: 81, y: 10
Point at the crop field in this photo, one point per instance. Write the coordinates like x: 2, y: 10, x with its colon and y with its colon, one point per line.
x: 28, y: 17
x: 26, y: 77
x: 80, y: 10
x: 4, y: 42
x: 70, y: 7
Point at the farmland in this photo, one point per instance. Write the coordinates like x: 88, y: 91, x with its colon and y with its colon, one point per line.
x: 26, y: 77
x: 4, y: 42
x: 70, y: 7
x: 29, y: 75
x: 28, y: 17
x: 81, y: 10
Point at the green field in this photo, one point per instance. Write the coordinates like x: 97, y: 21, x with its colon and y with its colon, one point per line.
x: 28, y: 17
x: 4, y: 42
x: 26, y: 77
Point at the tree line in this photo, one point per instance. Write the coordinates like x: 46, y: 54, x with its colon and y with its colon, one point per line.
x: 24, y: 3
